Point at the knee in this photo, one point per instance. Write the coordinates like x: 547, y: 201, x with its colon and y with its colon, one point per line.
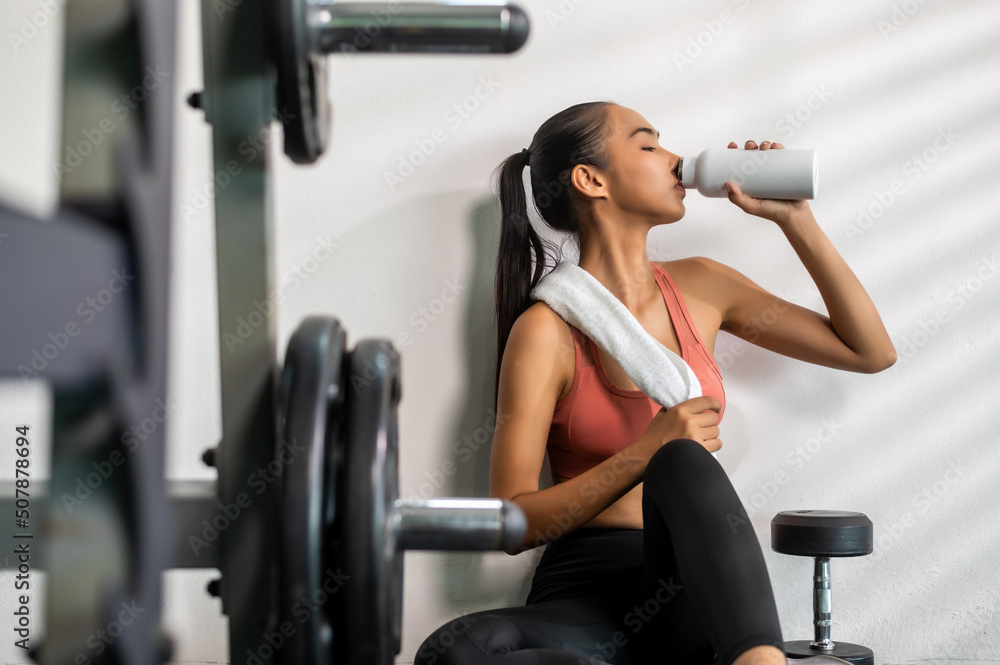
x: 677, y: 459
x: 465, y: 639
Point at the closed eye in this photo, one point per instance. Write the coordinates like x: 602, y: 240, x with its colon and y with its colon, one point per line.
x: 649, y: 148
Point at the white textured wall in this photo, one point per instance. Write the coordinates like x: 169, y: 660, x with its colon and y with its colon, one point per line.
x: 899, y: 98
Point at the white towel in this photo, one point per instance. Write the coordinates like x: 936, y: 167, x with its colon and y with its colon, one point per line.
x: 581, y: 300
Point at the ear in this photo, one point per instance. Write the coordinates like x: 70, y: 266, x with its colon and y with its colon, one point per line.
x: 589, y: 181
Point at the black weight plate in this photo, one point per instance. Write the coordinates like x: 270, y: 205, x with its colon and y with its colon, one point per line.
x: 832, y: 533
x: 303, y: 103
x: 311, y: 397
x: 367, y: 489
x: 855, y: 654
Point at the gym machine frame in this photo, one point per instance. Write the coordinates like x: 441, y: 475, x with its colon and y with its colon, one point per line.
x: 111, y: 548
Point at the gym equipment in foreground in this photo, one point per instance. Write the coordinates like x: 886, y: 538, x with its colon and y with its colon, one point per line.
x: 86, y: 295
x: 823, y: 534
x: 342, y: 405
x: 311, y: 29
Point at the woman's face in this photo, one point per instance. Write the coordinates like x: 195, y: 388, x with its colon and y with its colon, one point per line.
x: 642, y: 179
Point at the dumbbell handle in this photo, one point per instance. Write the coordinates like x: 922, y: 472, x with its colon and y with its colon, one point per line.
x: 822, y: 611
x: 346, y: 27
x: 458, y: 524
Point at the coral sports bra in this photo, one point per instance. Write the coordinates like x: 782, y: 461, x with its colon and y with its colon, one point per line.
x: 596, y: 418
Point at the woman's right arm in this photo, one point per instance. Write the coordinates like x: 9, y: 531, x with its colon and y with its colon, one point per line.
x: 530, y: 383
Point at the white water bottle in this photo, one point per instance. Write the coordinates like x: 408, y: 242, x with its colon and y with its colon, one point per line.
x: 780, y: 173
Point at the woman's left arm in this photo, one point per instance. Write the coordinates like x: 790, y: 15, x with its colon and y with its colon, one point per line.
x: 853, y: 323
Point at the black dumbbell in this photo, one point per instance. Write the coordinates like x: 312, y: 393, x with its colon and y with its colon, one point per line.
x: 823, y: 534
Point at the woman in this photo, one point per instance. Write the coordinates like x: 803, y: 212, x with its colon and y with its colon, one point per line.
x: 650, y: 557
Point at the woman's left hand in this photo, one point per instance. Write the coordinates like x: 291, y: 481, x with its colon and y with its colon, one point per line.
x: 776, y: 210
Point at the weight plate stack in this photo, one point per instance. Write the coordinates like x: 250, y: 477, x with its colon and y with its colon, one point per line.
x: 365, y: 530
x: 311, y: 404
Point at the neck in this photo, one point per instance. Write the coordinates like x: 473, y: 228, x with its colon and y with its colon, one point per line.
x: 619, y: 262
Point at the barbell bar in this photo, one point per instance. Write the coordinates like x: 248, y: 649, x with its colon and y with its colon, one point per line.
x: 306, y: 31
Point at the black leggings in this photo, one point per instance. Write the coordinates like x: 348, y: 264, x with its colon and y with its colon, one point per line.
x: 691, y: 587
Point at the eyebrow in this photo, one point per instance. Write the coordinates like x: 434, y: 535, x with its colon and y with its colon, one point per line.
x: 643, y: 129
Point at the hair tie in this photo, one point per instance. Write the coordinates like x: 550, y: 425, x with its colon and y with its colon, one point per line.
x: 526, y: 154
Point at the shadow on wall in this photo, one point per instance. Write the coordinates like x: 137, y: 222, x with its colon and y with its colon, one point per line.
x: 375, y: 289
x: 462, y: 572
x: 381, y: 280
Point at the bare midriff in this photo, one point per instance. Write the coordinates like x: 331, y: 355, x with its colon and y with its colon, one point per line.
x: 625, y: 513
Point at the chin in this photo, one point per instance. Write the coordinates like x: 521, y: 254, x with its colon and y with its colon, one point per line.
x: 670, y: 219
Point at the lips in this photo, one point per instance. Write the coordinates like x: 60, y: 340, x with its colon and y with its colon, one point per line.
x: 680, y: 187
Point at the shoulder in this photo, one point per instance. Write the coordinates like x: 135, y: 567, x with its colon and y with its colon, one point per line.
x: 539, y: 357
x: 690, y: 264
x: 704, y: 279
x: 539, y: 327
x: 542, y: 339
x: 694, y: 271
x: 541, y: 319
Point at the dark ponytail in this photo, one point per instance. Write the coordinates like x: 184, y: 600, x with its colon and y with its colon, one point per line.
x: 574, y: 136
